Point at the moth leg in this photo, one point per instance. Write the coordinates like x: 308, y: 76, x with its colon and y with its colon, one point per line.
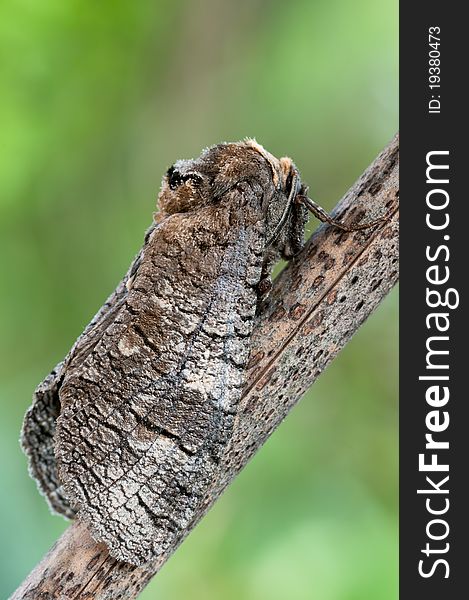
x: 264, y: 287
x: 265, y: 282
x: 294, y: 238
x: 325, y: 217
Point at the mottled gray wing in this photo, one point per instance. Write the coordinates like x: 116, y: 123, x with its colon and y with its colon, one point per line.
x: 39, y: 426
x: 147, y: 410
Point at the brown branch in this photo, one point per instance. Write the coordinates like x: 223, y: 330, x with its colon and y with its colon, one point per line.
x: 316, y: 305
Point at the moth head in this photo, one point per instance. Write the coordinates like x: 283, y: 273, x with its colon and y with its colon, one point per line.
x: 229, y: 170
x: 189, y: 185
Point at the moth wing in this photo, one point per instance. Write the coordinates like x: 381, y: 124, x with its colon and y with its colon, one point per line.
x: 39, y: 425
x: 147, y: 414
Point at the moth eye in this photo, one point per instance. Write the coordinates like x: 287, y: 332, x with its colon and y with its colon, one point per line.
x: 174, y: 178
x: 194, y: 178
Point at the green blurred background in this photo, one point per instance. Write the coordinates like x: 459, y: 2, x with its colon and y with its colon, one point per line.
x: 97, y: 100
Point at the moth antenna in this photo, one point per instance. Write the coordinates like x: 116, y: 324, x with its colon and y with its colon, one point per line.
x: 325, y: 217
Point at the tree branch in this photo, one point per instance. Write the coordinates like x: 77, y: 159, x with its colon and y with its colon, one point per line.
x: 316, y: 305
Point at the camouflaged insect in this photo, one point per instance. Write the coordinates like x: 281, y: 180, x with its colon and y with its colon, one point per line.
x: 128, y: 431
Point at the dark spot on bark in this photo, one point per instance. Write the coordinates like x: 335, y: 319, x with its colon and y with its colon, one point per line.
x: 359, y: 217
x: 313, y: 323
x: 341, y: 238
x: 329, y: 263
x: 317, y: 355
x: 308, y: 328
x: 388, y: 233
x: 72, y: 591
x: 375, y: 188
x: 93, y: 561
x: 323, y: 255
x: 297, y: 311
x: 318, y: 318
x: 348, y: 257
x: 318, y: 280
x: 296, y: 283
x: 359, y: 305
x: 278, y: 313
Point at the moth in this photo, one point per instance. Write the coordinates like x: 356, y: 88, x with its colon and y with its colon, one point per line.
x: 128, y: 431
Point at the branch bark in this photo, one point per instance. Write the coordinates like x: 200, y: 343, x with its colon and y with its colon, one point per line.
x: 317, y: 303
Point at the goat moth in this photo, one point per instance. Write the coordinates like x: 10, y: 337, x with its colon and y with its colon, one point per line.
x: 128, y: 431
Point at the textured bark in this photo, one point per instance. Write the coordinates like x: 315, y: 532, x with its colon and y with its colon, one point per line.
x: 316, y: 305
